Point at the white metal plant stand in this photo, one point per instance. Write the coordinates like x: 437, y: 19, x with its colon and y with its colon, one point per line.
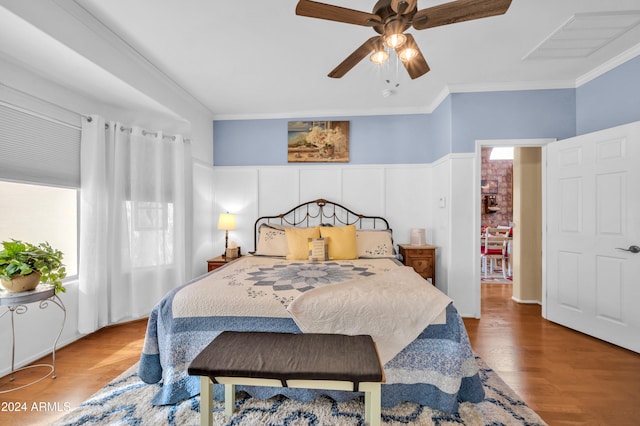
x: 16, y: 303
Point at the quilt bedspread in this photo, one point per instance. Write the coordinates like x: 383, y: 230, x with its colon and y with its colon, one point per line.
x: 437, y: 369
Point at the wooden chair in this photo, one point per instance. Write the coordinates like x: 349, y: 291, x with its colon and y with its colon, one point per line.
x: 504, y: 231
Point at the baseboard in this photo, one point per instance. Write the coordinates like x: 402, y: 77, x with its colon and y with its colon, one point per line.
x: 44, y: 353
x: 528, y: 302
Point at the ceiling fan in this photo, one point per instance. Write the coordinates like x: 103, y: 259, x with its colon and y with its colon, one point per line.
x: 391, y: 18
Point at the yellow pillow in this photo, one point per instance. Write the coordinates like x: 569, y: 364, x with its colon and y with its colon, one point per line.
x: 341, y: 240
x: 298, y: 242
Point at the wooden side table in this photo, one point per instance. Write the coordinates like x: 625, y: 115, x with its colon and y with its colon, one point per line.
x: 421, y: 258
x: 217, y: 262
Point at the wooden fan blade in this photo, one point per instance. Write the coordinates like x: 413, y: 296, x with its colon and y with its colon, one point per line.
x: 359, y: 54
x: 458, y: 11
x: 330, y: 12
x: 417, y: 66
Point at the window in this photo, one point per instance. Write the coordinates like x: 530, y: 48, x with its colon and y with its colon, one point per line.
x: 151, y: 233
x: 38, y: 213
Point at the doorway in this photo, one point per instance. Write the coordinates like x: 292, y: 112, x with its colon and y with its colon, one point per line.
x: 522, y: 195
x: 496, y: 214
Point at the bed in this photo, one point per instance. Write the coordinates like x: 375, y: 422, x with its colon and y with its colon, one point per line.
x: 354, y: 284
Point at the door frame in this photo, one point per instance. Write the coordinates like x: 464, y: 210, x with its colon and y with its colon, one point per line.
x: 519, y: 143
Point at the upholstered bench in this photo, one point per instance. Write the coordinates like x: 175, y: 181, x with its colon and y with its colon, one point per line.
x: 312, y: 361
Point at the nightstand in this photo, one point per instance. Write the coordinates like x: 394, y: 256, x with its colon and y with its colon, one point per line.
x: 217, y: 262
x: 421, y: 258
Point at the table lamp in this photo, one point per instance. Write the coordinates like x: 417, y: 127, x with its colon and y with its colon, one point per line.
x: 226, y: 221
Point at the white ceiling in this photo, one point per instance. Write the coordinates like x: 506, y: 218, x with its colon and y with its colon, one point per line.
x: 257, y: 59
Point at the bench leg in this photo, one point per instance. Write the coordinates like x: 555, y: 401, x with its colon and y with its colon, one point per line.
x: 229, y: 399
x: 206, y: 401
x: 372, y: 402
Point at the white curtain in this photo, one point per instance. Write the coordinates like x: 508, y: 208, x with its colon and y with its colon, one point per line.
x: 132, y: 221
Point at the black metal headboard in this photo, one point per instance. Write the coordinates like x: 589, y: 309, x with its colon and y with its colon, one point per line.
x: 321, y: 212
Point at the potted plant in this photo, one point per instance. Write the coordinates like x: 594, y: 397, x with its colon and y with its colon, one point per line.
x: 23, y: 265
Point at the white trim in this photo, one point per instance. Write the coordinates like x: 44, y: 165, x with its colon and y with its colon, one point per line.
x: 526, y: 302
x: 609, y: 65
x: 450, y: 89
x: 480, y: 143
x: 543, y: 177
x: 328, y: 113
x: 323, y: 166
x: 41, y: 354
x: 86, y: 18
x: 452, y: 156
x: 514, y: 86
x: 30, y: 104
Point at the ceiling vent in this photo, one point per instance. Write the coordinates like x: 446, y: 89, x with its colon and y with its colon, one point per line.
x: 585, y: 33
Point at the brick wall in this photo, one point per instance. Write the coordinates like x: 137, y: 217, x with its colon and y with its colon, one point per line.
x: 499, y: 172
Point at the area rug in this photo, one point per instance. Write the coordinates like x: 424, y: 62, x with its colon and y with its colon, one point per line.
x: 126, y: 401
x: 496, y: 278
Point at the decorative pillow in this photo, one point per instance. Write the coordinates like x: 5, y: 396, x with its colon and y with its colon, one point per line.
x: 318, y: 250
x: 271, y: 241
x: 341, y: 241
x: 298, y: 242
x: 374, y: 244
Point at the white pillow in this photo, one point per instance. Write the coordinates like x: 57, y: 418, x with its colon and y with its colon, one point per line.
x: 272, y: 241
x: 374, y: 244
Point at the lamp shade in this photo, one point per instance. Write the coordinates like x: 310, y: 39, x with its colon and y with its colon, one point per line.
x: 227, y: 221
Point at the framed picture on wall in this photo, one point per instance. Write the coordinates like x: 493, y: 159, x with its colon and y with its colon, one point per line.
x: 318, y: 141
x: 489, y: 186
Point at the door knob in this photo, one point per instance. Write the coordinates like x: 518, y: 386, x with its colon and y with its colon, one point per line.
x: 632, y: 249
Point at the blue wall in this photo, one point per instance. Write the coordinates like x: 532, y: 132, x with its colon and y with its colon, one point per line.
x: 442, y: 129
x: 611, y: 99
x: 512, y: 115
x: 373, y: 140
x: 461, y: 119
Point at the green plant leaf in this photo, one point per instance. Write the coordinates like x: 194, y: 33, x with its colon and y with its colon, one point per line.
x: 23, y: 258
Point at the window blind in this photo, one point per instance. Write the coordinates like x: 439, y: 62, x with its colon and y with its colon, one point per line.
x: 38, y: 150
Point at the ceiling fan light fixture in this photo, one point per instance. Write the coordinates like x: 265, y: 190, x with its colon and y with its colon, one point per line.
x: 407, y: 54
x: 379, y: 57
x: 393, y: 41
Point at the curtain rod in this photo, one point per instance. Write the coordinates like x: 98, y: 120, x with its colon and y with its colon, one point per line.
x: 144, y: 132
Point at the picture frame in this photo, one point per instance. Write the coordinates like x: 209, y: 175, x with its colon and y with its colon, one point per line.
x: 489, y: 186
x: 318, y: 141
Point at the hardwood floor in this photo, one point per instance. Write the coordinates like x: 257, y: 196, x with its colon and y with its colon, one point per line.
x: 567, y: 377
x: 82, y: 368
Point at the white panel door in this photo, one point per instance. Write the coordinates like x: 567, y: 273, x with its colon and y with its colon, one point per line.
x: 593, y: 213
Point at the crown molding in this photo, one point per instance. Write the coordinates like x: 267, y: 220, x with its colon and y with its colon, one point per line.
x: 513, y: 86
x: 117, y: 43
x: 608, y: 66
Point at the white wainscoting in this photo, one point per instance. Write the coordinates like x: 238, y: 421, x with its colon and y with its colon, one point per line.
x: 203, y: 225
x: 400, y: 193
x: 435, y: 196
